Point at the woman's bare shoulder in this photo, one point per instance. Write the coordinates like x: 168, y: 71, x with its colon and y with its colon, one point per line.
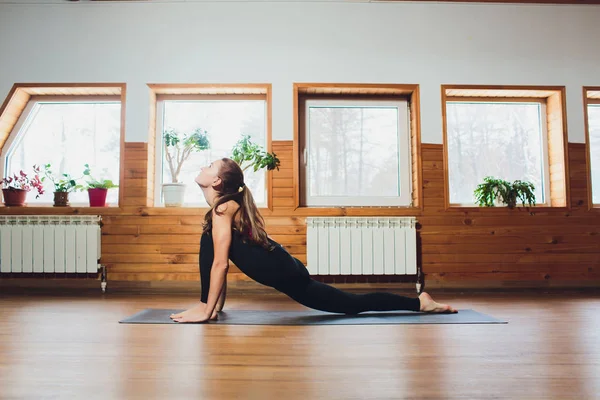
x: 228, y: 208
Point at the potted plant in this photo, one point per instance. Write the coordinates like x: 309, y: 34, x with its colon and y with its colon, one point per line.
x: 178, y: 148
x: 15, y: 188
x: 245, y: 151
x: 62, y: 186
x: 493, y: 190
x: 97, y: 189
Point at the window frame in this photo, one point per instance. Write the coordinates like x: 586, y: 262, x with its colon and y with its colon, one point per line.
x: 158, y: 167
x: 544, y: 129
x: 591, y: 97
x: 558, y: 145
x: 30, y: 111
x: 404, y: 153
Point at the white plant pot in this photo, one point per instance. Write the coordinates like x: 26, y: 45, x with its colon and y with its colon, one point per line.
x: 173, y: 194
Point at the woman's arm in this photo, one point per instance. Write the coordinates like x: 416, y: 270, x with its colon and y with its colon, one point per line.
x: 221, y: 234
x: 221, y: 302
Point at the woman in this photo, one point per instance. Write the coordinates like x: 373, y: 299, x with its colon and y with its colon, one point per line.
x: 234, y: 230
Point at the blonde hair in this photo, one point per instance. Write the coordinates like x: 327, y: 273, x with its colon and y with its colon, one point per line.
x: 252, y: 224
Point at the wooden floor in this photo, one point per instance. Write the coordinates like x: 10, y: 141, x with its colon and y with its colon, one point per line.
x: 72, y: 347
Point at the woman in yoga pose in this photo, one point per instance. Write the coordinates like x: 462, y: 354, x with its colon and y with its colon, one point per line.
x: 234, y: 230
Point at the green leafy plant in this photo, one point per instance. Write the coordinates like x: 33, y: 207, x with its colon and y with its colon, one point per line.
x: 509, y: 193
x: 64, y: 184
x: 95, y: 183
x: 179, y: 147
x: 245, y: 151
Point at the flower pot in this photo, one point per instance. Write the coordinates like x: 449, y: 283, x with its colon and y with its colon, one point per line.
x: 97, y: 197
x: 173, y: 194
x: 61, y: 199
x: 14, y: 197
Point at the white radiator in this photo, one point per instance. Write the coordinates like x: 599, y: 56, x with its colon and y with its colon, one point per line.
x: 49, y: 244
x: 361, y: 246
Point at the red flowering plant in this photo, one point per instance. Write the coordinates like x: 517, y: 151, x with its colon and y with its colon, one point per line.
x: 23, y: 182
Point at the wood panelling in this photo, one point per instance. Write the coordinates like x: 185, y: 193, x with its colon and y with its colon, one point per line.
x: 475, y: 248
x: 487, y: 246
x: 134, y: 187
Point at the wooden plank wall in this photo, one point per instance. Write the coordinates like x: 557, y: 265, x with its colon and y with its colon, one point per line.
x: 484, y: 247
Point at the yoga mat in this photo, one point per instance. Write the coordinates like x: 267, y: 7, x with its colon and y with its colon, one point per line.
x: 312, y: 317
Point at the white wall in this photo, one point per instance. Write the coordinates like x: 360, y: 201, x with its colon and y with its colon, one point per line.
x: 286, y: 42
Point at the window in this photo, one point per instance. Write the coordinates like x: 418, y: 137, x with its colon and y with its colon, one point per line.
x: 225, y: 120
x: 509, y: 133
x: 356, y: 153
x: 506, y: 140
x: 67, y: 132
x: 594, y: 143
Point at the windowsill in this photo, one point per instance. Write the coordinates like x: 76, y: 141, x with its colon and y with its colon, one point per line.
x: 51, y: 210
x: 51, y: 205
x: 147, y: 211
x: 518, y: 208
x: 201, y: 206
x: 359, y: 211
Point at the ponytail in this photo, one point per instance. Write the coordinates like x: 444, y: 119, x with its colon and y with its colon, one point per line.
x: 252, y: 224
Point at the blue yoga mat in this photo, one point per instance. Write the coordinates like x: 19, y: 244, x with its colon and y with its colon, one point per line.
x: 312, y: 317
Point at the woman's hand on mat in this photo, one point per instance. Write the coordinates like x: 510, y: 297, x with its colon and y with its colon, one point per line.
x: 430, y: 306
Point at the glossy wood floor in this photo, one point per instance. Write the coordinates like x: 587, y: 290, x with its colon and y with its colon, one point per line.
x: 72, y: 347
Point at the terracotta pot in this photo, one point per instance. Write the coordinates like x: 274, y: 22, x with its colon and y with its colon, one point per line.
x: 97, y: 197
x: 14, y: 197
x: 61, y: 199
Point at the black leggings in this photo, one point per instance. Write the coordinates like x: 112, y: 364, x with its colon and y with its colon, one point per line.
x: 275, y: 270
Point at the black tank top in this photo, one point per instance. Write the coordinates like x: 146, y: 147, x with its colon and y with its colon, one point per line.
x: 274, y: 268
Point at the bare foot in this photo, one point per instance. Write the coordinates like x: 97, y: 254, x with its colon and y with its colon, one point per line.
x: 430, y: 306
x: 198, y: 308
x: 192, y: 316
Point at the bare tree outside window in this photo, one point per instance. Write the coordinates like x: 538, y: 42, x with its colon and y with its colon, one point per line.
x: 357, y: 153
x: 503, y: 140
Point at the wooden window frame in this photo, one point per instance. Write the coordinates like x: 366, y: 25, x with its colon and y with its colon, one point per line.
x: 355, y: 91
x: 251, y: 91
x: 20, y: 96
x: 558, y: 164
x: 591, y: 95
